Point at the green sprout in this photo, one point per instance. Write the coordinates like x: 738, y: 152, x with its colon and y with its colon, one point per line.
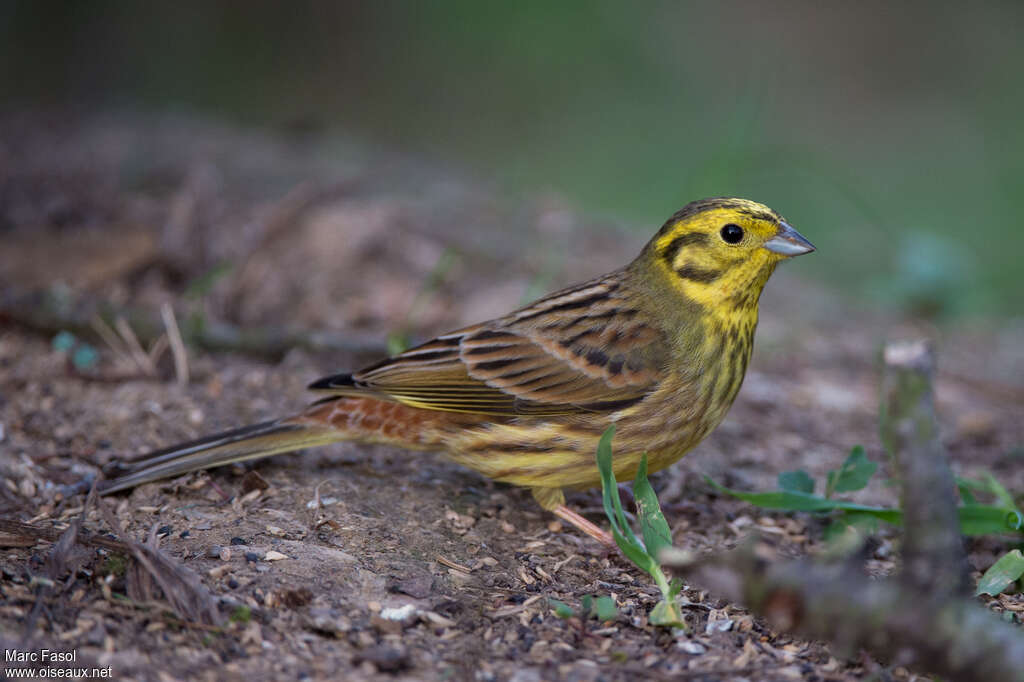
x: 999, y: 517
x: 796, y: 493
x: 653, y: 527
x: 602, y: 608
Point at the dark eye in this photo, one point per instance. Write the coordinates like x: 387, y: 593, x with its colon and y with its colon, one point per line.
x: 732, y: 234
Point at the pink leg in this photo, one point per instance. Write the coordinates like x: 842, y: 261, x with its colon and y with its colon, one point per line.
x: 591, y: 529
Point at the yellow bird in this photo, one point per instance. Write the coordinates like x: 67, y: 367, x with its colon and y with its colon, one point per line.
x: 658, y: 348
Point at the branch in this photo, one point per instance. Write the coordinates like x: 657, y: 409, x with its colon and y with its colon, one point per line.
x: 933, y: 550
x: 919, y: 618
x: 953, y: 637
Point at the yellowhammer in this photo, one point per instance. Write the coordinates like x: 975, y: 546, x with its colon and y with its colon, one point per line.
x: 658, y: 348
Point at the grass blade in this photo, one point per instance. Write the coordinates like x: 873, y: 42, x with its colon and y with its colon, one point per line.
x: 653, y: 525
x: 610, y: 489
x: 798, y: 481
x: 1002, y: 574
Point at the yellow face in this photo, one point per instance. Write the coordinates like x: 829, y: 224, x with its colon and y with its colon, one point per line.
x: 722, y: 251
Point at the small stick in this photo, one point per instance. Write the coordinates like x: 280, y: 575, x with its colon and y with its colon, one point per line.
x: 143, y: 361
x: 109, y: 336
x: 934, y: 560
x: 177, y: 345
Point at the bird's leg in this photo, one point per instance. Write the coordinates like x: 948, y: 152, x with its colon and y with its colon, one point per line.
x: 553, y: 499
x: 592, y: 529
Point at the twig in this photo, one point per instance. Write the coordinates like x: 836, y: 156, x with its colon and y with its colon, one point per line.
x: 61, y: 559
x: 181, y: 587
x: 109, y: 336
x: 142, y: 359
x: 85, y: 537
x: 934, y: 560
x: 920, y: 618
x: 953, y: 638
x: 52, y: 311
x: 177, y: 345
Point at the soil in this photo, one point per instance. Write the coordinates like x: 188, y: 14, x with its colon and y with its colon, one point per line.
x: 365, y: 562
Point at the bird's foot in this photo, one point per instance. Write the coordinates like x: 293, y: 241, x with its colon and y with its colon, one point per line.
x: 592, y: 529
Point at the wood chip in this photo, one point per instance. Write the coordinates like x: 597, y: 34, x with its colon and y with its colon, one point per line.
x: 451, y: 564
x: 524, y: 577
x: 218, y: 572
x: 437, y: 619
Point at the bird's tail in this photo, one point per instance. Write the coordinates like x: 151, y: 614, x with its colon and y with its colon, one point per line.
x: 249, y: 442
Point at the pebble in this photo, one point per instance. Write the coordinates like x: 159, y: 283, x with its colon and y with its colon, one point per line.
x: 692, y: 648
x: 219, y: 571
x: 274, y: 555
x: 214, y: 551
x: 238, y: 541
x: 387, y: 659
x: 418, y: 587
x: 399, y: 613
x: 328, y: 620
x: 252, y: 557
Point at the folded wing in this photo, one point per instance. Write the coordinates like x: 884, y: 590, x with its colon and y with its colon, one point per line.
x: 583, y: 349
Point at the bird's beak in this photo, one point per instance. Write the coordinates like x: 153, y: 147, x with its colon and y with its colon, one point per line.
x: 788, y: 242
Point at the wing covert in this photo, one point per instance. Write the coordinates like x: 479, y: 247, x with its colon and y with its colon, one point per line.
x: 583, y: 349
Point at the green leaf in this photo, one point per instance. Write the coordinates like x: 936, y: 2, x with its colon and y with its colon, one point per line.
x: 623, y: 534
x: 965, y: 487
x: 853, y: 475
x: 983, y: 519
x: 397, y: 342
x: 653, y: 525
x: 203, y: 284
x: 798, y: 481
x: 588, y: 604
x: 84, y: 357
x: 241, y: 614
x: 850, y: 529
x: 667, y: 614
x: 1002, y: 494
x: 975, y: 519
x: 562, y: 610
x: 1001, y: 574
x: 63, y: 341
x: 605, y: 609
x: 794, y: 501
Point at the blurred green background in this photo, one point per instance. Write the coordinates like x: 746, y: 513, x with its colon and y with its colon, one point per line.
x: 889, y: 133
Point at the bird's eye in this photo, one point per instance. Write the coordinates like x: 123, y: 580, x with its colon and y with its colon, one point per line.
x: 732, y: 234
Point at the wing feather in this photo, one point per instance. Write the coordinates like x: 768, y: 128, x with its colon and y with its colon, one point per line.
x: 582, y: 349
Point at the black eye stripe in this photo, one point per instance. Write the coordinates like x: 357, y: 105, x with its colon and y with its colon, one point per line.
x: 683, y: 240
x: 732, y: 234
x: 696, y: 274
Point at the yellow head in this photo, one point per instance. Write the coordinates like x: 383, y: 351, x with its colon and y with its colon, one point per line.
x: 720, y: 252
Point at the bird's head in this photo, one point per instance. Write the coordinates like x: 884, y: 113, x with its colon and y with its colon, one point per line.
x: 721, y: 251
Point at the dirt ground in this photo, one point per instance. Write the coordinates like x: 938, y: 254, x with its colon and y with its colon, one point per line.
x: 326, y: 234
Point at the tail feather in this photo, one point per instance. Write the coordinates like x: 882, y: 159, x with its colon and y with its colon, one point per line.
x: 249, y: 442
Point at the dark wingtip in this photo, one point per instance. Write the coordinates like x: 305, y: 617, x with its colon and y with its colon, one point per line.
x: 332, y: 382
